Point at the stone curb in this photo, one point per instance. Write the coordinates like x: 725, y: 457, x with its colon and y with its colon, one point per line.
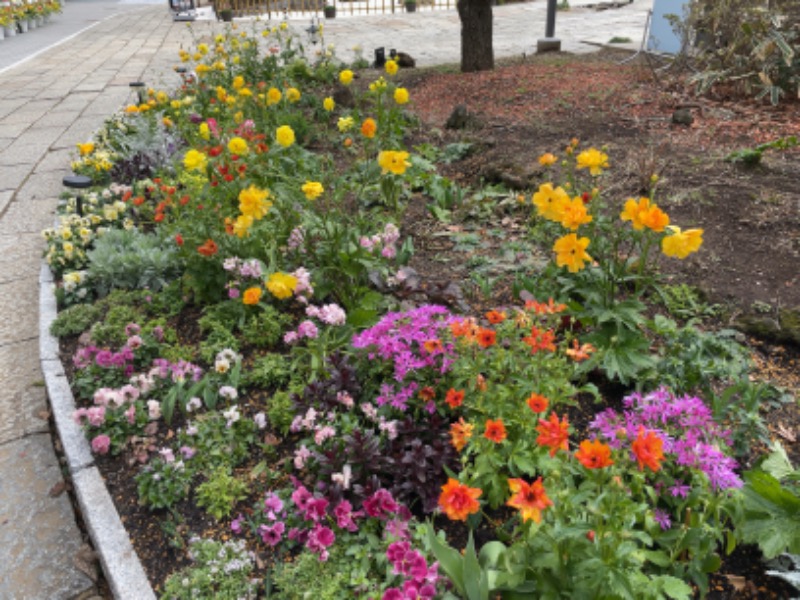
x: 121, y: 565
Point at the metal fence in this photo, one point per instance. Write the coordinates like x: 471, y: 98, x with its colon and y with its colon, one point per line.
x: 306, y: 8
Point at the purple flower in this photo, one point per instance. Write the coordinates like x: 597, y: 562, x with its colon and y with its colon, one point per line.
x: 187, y: 452
x: 272, y: 504
x: 662, y: 518
x: 679, y: 489
x: 301, y: 497
x: 236, y: 525
x: 393, y: 594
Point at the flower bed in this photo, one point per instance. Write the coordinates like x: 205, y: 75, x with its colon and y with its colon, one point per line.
x: 234, y: 294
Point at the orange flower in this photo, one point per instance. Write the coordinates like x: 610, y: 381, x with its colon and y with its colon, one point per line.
x: 486, y: 337
x: 368, y: 128
x: 538, y: 403
x: 454, y: 398
x: 580, y: 352
x: 654, y: 218
x: 542, y: 308
x: 251, y: 296
x: 540, y: 340
x: 459, y: 501
x: 480, y: 383
x: 553, y: 433
x: 648, y: 449
x: 495, y: 431
x: 433, y: 346
x: 465, y: 328
x: 494, y: 316
x: 594, y: 454
x: 460, y: 433
x: 531, y: 499
x: 208, y: 248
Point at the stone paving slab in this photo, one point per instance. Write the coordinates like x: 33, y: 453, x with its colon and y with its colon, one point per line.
x: 23, y: 398
x: 18, y: 300
x: 19, y: 254
x: 37, y: 532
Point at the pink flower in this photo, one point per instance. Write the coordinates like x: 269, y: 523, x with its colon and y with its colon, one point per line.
x: 307, y: 329
x: 130, y: 414
x: 272, y: 534
x: 79, y: 415
x: 323, y: 433
x: 101, y: 444
x: 301, y: 455
x: 96, y: 415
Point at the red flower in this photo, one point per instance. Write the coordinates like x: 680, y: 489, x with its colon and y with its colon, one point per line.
x: 179, y: 239
x: 541, y: 308
x: 208, y: 248
x: 553, y: 433
x: 459, y: 501
x: 215, y: 151
x: 537, y: 403
x: 648, y: 449
x: 594, y: 454
x: 495, y: 431
x: 427, y: 393
x: 454, y: 398
x: 530, y: 498
x: 579, y: 352
x: 158, y: 217
x: 486, y: 337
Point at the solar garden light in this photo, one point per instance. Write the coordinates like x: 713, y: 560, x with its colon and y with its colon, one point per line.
x: 549, y: 43
x: 380, y: 57
x: 313, y: 31
x: 139, y: 87
x: 77, y: 182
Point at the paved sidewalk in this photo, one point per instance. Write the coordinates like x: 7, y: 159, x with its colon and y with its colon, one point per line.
x: 59, y: 98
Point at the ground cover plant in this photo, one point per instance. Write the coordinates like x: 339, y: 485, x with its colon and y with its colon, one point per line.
x: 287, y: 400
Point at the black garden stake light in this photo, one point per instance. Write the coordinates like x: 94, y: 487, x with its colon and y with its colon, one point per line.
x: 182, y: 10
x: 313, y: 31
x: 550, y: 43
x: 77, y: 182
x: 138, y: 86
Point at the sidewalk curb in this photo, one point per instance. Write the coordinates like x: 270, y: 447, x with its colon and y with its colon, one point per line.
x: 121, y: 565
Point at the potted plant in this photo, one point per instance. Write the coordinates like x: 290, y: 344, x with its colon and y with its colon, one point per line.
x: 329, y: 10
x: 226, y: 14
x: 411, y: 5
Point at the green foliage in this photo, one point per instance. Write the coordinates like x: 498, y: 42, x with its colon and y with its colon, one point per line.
x: 265, y: 328
x: 217, y: 444
x: 218, y: 337
x: 75, y: 319
x: 129, y: 259
x: 268, y: 372
x: 321, y: 580
x: 771, y: 516
x: 219, y: 494
x: 752, y: 156
x: 280, y: 411
x: 163, y: 484
x: 744, y: 43
x: 221, y: 570
x: 686, y: 302
x: 110, y: 331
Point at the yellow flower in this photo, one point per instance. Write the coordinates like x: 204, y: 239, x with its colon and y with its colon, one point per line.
x: 328, y: 104
x: 393, y: 161
x: 242, y: 225
x: 547, y: 159
x: 273, y: 96
x: 284, y: 26
x: 251, y: 296
x: 167, y: 122
x: 313, y: 189
x: 245, y: 92
x: 346, y: 77
x: 643, y: 213
x: 293, y: 94
x: 391, y: 67
x: 85, y: 149
x: 204, y: 131
x: 550, y: 202
x: 401, y: 95
x: 574, y: 214
x: 682, y: 243
x: 131, y: 108
x: 654, y: 218
x: 195, y: 161
x: 237, y: 146
x: 345, y: 124
x: 253, y: 202
x: 594, y: 160
x: 202, y: 69
x: 285, y: 136
x: 238, y: 117
x: 202, y: 49
x: 238, y: 82
x: 281, y: 285
x: 571, y: 252
x: 378, y: 85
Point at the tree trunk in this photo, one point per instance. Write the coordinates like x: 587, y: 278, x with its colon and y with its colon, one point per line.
x: 477, y: 53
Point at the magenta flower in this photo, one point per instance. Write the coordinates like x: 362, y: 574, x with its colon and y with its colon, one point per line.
x: 271, y: 535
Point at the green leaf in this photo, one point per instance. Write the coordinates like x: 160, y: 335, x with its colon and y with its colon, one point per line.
x: 657, y: 557
x: 449, y: 559
x: 778, y: 464
x: 675, y: 588
x: 711, y: 563
x: 772, y: 515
